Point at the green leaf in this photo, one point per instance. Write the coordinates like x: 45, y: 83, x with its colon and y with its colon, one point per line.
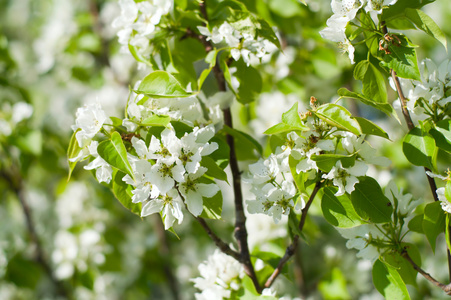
x: 447, y: 232
x: 202, y: 77
x: 425, y: 23
x: 290, y: 121
x: 404, y: 268
x: 339, y: 211
x: 402, y: 59
x: 372, y: 80
x: 384, y: 107
x: 212, y: 207
x: 250, y: 82
x: 442, y: 134
x: 245, y: 145
x: 113, y: 152
x: 398, y: 9
x: 370, y: 128
x: 138, y: 56
x: 338, y: 116
x: 299, y: 179
x: 156, y: 120
x: 433, y: 222
x: 161, y: 84
x: 265, y: 30
x: 123, y: 193
x: 370, y: 202
x: 213, y: 169
x: 419, y: 148
x: 448, y: 190
x: 325, y: 162
x: 388, y: 282
x: 72, y: 151
x: 416, y: 224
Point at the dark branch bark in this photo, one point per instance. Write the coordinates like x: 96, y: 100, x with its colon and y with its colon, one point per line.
x: 218, y: 242
x: 240, y: 218
x: 292, y: 247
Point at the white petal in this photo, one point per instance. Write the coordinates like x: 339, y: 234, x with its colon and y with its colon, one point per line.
x: 151, y: 207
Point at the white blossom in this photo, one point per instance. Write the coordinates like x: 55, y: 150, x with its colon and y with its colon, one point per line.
x: 193, y: 191
x: 170, y: 206
x: 219, y: 275
x: 346, y: 178
x: 104, y: 172
x: 89, y: 119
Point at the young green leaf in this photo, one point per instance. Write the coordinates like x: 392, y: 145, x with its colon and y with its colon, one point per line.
x: 372, y: 80
x: 113, y: 152
x: 338, y: 116
x: 72, y: 151
x: 370, y: 202
x: 384, y: 107
x: 419, y: 148
x: 213, y: 169
x: 290, y: 121
x: 425, y: 23
x: 326, y: 162
x: 123, y: 192
x: 250, y: 82
x: 161, y: 84
x: 442, y: 135
x: 156, y: 120
x: 212, y: 207
x: 339, y: 211
x: 402, y: 58
x: 388, y: 282
x: 433, y: 222
x: 404, y: 268
x: 370, y: 128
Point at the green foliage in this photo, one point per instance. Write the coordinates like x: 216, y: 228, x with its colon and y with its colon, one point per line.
x: 161, y: 84
x: 338, y: 116
x: 419, y: 148
x: 369, y: 202
x: 113, y: 152
x: 339, y: 211
x: 388, y: 282
x: 123, y: 193
x: 433, y: 222
x: 291, y: 121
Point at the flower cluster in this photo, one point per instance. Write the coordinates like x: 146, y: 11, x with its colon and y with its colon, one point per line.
x: 431, y: 95
x: 242, y: 44
x: 345, y: 11
x: 89, y: 121
x: 138, y: 21
x: 273, y: 187
x: 168, y: 171
x: 220, y: 275
x: 272, y: 180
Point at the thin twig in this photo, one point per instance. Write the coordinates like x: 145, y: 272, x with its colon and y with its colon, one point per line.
x: 410, y: 126
x: 218, y: 242
x: 292, y: 247
x: 445, y: 287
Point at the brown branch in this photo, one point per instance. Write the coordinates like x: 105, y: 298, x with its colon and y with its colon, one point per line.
x: 240, y: 218
x: 445, y: 287
x: 292, y: 247
x: 16, y: 184
x: 410, y: 126
x: 218, y: 242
